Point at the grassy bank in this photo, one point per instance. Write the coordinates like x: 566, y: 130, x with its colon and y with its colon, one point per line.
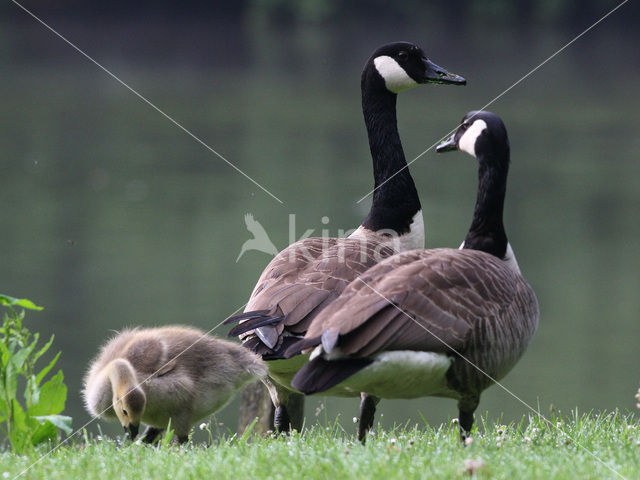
x: 588, y: 446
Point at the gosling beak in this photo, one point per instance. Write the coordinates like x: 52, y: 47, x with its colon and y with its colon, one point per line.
x: 132, y: 430
x: 435, y: 74
x: 448, y: 145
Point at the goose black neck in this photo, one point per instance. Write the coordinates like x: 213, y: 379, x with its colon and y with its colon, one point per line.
x: 487, y: 229
x: 395, y: 199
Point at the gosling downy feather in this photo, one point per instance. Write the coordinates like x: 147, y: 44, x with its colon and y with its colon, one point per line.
x: 400, y: 330
x: 151, y: 375
x: 308, y: 275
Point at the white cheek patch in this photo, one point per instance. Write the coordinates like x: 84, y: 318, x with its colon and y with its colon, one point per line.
x: 395, y: 77
x: 467, y: 142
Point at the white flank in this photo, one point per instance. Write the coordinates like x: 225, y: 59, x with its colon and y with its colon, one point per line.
x: 395, y: 77
x: 467, y: 142
x: 403, y: 374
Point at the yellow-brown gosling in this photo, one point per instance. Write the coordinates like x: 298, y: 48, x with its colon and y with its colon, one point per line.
x: 177, y: 373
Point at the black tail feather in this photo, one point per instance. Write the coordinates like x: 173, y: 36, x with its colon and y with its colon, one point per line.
x: 301, y: 344
x: 279, y: 353
x: 245, y: 315
x: 256, y: 346
x: 252, y: 324
x: 320, y: 375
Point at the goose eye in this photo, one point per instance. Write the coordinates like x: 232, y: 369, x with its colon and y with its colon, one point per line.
x: 402, y: 55
x: 124, y: 412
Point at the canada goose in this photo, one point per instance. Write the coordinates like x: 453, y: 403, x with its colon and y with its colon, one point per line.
x: 308, y: 275
x: 175, y: 373
x: 440, y: 322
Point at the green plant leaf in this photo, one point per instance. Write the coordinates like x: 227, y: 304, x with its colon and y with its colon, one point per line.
x: 19, y: 436
x: 46, y: 369
x: 4, y: 354
x: 10, y: 380
x: 53, y: 395
x: 42, y: 351
x: 45, y: 431
x: 4, y: 406
x: 60, y: 421
x: 18, y: 358
x: 20, y: 302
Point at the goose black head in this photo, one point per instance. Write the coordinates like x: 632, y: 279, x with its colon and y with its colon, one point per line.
x: 403, y: 65
x: 480, y: 133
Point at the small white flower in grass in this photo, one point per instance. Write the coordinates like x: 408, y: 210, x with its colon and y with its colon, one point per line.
x: 203, y: 425
x: 468, y: 441
x: 527, y: 439
x: 355, y: 419
x: 6, y: 474
x: 393, y: 441
x: 472, y: 466
x: 558, y: 424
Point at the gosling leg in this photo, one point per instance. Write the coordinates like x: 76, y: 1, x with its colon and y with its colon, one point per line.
x: 367, y: 413
x: 151, y: 434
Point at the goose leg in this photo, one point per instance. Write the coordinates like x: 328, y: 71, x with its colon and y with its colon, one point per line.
x: 289, y: 412
x: 466, y: 407
x: 151, y: 434
x: 281, y: 420
x: 367, y: 412
x: 289, y: 415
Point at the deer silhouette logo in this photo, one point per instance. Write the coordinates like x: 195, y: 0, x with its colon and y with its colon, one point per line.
x: 260, y: 241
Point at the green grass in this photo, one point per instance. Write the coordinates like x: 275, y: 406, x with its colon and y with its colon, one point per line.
x: 530, y: 449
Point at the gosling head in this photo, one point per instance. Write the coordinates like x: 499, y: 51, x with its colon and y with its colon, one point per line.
x: 402, y: 65
x: 480, y: 133
x: 129, y: 400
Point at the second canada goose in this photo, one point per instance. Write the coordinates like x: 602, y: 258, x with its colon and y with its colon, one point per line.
x: 176, y: 373
x: 308, y: 275
x: 440, y: 322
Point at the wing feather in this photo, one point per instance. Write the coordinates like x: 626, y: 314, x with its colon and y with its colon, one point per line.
x: 428, y: 300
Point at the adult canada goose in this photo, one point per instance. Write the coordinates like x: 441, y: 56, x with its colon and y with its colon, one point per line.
x: 175, y: 373
x: 438, y: 322
x: 308, y: 275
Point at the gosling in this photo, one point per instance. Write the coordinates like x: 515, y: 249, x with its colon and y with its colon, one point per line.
x: 176, y: 373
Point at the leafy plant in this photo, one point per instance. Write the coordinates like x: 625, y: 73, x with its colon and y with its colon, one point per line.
x: 38, y: 419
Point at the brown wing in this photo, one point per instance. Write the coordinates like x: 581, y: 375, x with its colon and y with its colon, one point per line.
x: 423, y: 300
x: 306, y: 277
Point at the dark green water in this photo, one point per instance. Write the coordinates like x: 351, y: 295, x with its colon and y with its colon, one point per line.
x: 112, y: 216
